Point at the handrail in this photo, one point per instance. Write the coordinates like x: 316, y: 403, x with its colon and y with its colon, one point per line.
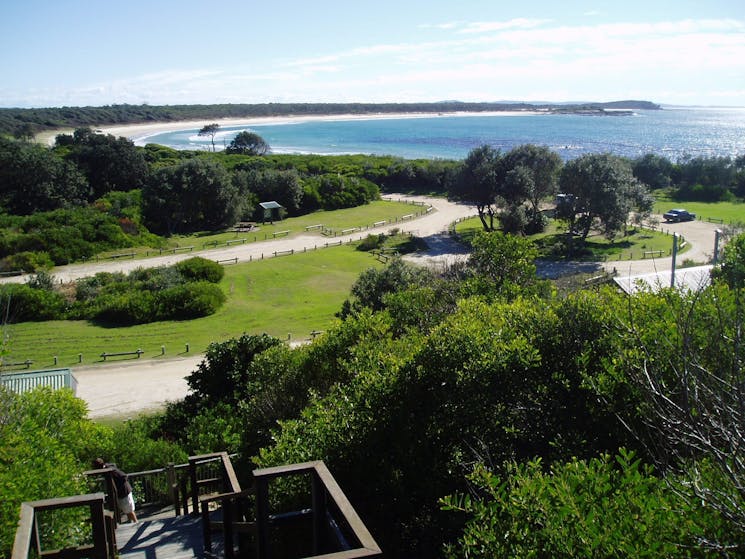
x: 103, y: 545
x: 230, y: 480
x: 323, y: 485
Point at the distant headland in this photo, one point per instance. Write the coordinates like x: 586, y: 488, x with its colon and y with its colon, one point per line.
x: 44, y: 119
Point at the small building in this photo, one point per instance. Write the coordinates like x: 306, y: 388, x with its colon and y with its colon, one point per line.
x: 272, y: 211
x: 20, y: 382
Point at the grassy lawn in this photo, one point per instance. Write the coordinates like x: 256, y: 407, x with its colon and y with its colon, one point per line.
x: 336, y: 221
x: 630, y: 247
x: 727, y: 212
x: 292, y: 295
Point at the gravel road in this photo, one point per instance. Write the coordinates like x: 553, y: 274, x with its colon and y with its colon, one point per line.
x: 127, y: 388
x: 431, y: 225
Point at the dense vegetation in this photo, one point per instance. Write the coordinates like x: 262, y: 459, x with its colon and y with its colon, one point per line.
x: 46, y: 441
x: 183, y: 291
x: 470, y: 412
x: 531, y: 412
x: 94, y: 192
x: 25, y: 122
x: 704, y: 179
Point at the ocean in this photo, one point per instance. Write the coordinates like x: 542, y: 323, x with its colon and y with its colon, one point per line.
x: 672, y: 132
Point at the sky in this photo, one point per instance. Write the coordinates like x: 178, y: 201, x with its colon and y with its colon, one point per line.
x: 165, y: 52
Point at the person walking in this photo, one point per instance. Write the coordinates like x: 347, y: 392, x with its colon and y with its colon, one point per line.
x: 125, y: 498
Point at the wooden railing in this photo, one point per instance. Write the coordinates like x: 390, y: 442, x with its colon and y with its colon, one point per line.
x: 337, y: 530
x: 28, y: 536
x: 325, y: 526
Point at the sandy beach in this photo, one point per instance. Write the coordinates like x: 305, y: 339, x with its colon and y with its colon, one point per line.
x: 141, y: 131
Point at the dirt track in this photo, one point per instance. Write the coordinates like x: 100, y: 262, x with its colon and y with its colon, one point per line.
x: 444, y: 213
x: 131, y: 387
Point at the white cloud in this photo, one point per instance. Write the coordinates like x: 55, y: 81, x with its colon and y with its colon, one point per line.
x: 521, y: 59
x: 517, y: 23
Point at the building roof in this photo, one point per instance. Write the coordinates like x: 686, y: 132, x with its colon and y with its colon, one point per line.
x: 692, y: 279
x: 270, y: 205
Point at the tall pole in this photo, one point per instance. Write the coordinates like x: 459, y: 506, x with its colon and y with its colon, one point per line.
x: 717, y: 238
x: 675, y: 254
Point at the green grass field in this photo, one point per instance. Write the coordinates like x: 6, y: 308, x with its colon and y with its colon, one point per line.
x: 292, y: 295
x: 630, y: 247
x: 716, y: 212
x: 362, y: 217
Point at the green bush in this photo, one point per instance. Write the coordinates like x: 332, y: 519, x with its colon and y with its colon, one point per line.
x: 200, y: 269
x: 46, y: 441
x: 22, y: 303
x: 191, y: 300
x: 131, y: 307
x: 371, y: 242
x: 602, y: 507
x: 26, y: 261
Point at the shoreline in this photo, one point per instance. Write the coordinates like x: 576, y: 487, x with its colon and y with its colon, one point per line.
x: 137, y: 132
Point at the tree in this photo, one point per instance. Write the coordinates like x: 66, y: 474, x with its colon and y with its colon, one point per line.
x: 539, y: 168
x: 210, y: 130
x: 24, y: 132
x: 34, y: 179
x: 248, y: 143
x: 282, y: 186
x: 479, y: 183
x: 685, y: 361
x: 731, y: 269
x: 374, y: 284
x: 502, y: 265
x: 194, y: 195
x: 601, y: 191
x: 108, y: 162
x: 653, y: 170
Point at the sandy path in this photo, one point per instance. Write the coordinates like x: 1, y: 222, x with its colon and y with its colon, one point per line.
x: 128, y: 388
x: 131, y: 387
x: 698, y: 234
x: 437, y: 221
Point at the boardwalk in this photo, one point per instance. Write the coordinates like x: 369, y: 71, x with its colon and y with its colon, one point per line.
x: 166, y: 538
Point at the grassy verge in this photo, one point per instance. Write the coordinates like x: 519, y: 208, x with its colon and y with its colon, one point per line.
x: 361, y: 218
x: 716, y: 212
x: 291, y: 295
x: 629, y: 247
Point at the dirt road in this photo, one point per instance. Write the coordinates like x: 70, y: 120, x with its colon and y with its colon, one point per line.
x: 128, y: 388
x: 437, y: 221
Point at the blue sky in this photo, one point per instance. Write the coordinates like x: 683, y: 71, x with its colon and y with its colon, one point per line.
x: 86, y: 52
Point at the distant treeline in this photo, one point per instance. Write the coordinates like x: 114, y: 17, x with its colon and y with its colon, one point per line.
x: 21, y: 122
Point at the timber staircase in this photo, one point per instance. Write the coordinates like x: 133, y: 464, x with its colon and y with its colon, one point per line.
x: 199, y: 510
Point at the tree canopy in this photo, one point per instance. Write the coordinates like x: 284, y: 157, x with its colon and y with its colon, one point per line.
x: 248, y: 143
x: 210, y: 130
x: 601, y: 191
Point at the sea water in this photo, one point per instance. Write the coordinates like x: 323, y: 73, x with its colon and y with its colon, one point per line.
x: 672, y: 132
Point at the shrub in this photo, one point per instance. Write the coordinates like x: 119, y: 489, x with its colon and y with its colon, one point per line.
x: 46, y: 440
x: 191, y: 300
x: 27, y: 261
x: 594, y: 508
x: 371, y: 242
x: 23, y: 303
x: 200, y: 269
x: 131, y: 307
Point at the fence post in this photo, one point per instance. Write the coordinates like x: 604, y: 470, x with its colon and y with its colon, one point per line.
x: 171, y: 479
x: 318, y: 499
x: 262, y: 517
